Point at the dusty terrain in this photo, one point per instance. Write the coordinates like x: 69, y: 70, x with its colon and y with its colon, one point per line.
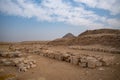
x: 48, y: 61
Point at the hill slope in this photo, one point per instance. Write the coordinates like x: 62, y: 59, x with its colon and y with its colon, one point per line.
x: 106, y: 37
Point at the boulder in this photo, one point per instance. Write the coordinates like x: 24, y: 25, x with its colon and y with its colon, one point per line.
x: 92, y: 62
x: 83, y: 60
x: 107, y: 60
x: 66, y: 57
x: 59, y: 57
x: 33, y: 65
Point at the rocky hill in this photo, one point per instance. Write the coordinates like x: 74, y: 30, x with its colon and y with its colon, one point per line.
x: 106, y: 37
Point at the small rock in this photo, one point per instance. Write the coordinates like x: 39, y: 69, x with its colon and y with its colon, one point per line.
x: 27, y: 66
x: 25, y: 61
x: 32, y: 66
x: 101, y: 69
x: 33, y: 61
x: 83, y: 60
x: 20, y: 65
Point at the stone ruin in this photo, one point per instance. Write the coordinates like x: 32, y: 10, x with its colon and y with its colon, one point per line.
x: 85, y: 61
x: 17, y: 59
x: 24, y: 63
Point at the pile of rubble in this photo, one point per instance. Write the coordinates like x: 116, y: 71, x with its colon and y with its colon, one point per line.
x: 17, y: 59
x: 85, y: 61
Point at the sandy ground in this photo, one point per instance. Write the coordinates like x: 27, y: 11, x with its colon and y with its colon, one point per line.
x: 50, y: 69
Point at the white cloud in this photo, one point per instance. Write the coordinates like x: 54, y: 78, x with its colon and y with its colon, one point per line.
x: 58, y: 11
x: 114, y: 23
x: 9, y: 7
x: 111, y: 5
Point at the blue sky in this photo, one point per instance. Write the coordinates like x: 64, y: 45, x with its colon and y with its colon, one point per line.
x: 23, y: 20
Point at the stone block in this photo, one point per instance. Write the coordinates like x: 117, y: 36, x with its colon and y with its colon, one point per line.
x: 74, y: 60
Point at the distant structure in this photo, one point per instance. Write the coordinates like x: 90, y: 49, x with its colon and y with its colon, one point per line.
x: 68, y: 35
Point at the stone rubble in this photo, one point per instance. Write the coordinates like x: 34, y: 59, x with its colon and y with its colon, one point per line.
x: 16, y: 59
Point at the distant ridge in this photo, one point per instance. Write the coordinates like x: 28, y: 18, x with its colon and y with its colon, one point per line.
x: 106, y: 37
x: 100, y: 31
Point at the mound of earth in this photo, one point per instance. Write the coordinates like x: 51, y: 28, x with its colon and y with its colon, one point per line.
x: 105, y: 37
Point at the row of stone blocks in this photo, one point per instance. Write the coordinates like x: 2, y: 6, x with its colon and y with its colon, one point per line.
x: 95, y: 49
x: 85, y: 61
